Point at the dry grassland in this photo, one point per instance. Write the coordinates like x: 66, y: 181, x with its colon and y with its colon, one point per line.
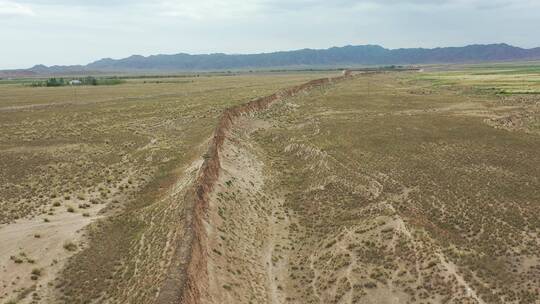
x: 386, y: 188
x: 70, y: 156
x: 382, y: 188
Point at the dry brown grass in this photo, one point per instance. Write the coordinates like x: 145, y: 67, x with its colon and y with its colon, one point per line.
x: 384, y: 187
x: 116, y: 151
x: 400, y: 191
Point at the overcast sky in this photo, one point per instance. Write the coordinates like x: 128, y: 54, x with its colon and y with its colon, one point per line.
x: 78, y: 32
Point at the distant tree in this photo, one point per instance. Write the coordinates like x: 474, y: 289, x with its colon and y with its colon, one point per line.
x: 53, y: 82
x: 90, y: 81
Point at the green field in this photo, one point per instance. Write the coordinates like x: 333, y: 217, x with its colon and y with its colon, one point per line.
x: 496, y: 79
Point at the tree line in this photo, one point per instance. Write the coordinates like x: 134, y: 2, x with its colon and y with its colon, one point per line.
x: 89, y: 80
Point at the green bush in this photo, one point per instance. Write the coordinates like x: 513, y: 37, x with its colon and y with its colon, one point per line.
x: 53, y: 82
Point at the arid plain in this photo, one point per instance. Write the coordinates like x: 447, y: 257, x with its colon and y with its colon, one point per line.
x: 379, y: 187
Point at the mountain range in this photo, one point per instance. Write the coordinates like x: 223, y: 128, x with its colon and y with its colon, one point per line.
x: 361, y: 55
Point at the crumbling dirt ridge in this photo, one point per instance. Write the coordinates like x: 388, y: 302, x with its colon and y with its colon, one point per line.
x: 187, y: 276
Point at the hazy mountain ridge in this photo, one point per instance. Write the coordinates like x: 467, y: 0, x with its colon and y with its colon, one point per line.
x: 335, y: 56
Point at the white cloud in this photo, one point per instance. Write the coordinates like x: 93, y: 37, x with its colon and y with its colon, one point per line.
x: 9, y: 8
x: 209, y: 9
x: 82, y: 31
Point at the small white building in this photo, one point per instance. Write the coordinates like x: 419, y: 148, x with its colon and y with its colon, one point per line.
x: 75, y: 82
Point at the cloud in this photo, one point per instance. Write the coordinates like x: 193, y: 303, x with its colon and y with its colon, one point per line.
x: 381, y: 4
x: 9, y: 8
x: 83, y: 31
x: 67, y: 3
x: 209, y: 9
x: 222, y: 9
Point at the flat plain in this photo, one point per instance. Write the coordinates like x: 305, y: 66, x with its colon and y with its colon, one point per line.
x: 391, y: 187
x: 72, y: 155
x: 384, y: 188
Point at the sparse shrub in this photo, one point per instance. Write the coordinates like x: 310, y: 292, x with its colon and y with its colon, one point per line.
x: 16, y: 260
x: 370, y: 285
x: 330, y: 244
x: 36, y: 271
x: 70, y: 246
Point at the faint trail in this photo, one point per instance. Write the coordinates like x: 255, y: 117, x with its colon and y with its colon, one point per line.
x: 452, y: 269
x: 271, y: 271
x: 349, y: 237
x: 313, y: 284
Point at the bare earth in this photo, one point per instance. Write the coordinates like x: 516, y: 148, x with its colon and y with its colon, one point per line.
x: 40, y: 245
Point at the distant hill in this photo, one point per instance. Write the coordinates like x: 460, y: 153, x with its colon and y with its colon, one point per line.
x: 336, y: 56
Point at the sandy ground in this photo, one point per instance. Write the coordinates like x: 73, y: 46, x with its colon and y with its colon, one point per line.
x: 248, y: 226
x: 40, y: 245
